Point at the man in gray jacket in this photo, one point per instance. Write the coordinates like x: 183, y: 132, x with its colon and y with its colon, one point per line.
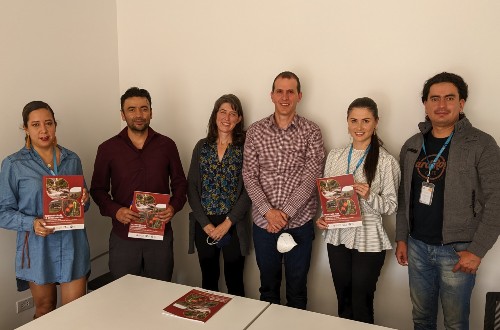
x: 449, y: 205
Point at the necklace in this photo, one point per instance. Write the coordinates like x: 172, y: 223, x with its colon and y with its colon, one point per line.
x: 49, y: 165
x: 50, y: 162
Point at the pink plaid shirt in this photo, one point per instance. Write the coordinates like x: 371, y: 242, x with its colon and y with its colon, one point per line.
x: 280, y: 167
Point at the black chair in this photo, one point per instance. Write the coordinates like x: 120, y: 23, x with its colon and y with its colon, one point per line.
x: 492, y: 311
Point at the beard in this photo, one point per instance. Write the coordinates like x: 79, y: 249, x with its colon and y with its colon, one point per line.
x: 136, y: 128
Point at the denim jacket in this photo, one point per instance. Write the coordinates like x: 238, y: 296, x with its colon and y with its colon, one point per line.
x: 21, y: 186
x: 37, y: 258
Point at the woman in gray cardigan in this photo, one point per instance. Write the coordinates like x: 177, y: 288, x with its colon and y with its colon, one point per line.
x: 218, y: 199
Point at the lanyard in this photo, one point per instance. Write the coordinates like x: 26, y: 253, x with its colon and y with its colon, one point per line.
x: 359, y: 161
x: 431, y: 165
x: 52, y: 171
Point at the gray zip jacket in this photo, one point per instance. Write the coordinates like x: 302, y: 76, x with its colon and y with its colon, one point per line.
x: 472, y: 187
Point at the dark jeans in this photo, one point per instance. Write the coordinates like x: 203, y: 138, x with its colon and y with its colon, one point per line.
x: 144, y: 257
x: 296, y: 262
x: 209, y: 256
x: 355, y: 275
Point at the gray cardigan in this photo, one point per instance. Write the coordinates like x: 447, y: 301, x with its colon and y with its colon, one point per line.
x: 238, y: 214
x: 472, y: 187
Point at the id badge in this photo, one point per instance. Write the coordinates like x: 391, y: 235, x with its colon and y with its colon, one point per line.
x: 426, y: 193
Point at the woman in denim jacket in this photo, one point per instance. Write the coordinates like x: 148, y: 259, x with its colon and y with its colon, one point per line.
x: 44, y: 257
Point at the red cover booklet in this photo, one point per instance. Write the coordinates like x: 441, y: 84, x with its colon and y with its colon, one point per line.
x: 148, y: 226
x: 62, y: 201
x: 339, y: 202
x: 197, y: 305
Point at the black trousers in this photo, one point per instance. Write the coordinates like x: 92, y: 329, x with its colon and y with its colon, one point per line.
x: 355, y: 275
x: 144, y: 257
x: 209, y: 256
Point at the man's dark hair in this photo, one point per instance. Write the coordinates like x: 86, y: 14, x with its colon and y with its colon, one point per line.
x: 446, y: 77
x: 287, y: 75
x: 135, y: 92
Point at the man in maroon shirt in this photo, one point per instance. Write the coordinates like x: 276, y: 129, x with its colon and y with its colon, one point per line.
x: 138, y: 159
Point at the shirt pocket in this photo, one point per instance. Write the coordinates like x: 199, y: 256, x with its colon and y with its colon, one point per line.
x: 296, y: 158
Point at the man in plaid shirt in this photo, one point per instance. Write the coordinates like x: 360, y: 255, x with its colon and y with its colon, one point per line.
x: 283, y: 156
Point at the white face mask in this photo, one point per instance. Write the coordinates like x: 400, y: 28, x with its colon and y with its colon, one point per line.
x: 285, y: 243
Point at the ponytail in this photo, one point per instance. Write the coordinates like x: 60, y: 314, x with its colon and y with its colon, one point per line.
x: 371, y: 160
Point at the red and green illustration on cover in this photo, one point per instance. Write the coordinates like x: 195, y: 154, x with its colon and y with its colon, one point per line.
x: 339, y: 202
x: 62, y: 202
x: 197, y: 305
x: 148, y: 226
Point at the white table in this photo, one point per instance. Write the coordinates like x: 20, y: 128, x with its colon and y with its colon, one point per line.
x: 287, y: 318
x: 133, y: 302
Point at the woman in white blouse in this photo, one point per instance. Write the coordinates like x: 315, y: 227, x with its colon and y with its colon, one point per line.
x: 357, y: 254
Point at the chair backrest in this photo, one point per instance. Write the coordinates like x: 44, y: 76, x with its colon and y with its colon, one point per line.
x: 492, y: 311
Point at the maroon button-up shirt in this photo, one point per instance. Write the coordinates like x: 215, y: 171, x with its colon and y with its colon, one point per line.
x: 121, y: 168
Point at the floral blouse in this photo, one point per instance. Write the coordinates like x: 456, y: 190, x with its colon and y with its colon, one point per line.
x: 219, y: 178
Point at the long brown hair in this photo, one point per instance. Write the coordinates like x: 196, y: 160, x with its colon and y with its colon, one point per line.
x: 238, y: 133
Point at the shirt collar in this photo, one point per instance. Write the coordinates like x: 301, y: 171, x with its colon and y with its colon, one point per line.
x: 295, y: 121
x: 124, y: 135
x: 32, y: 153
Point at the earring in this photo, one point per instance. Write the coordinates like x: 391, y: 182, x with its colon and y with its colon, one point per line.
x: 55, y: 141
x: 28, y: 141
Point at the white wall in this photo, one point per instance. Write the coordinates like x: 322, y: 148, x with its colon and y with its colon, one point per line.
x: 80, y: 57
x: 188, y: 53
x: 65, y: 53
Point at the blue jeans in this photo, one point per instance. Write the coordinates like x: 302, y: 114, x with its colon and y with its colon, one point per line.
x: 296, y: 261
x: 431, y: 277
